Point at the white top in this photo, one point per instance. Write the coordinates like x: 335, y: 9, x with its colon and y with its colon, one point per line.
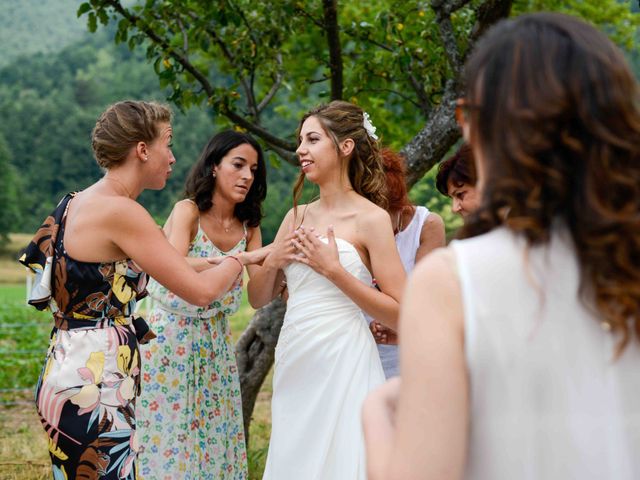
x: 547, y: 399
x: 408, y: 242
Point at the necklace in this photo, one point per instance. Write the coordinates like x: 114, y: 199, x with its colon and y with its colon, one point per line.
x: 227, y: 228
x: 120, y: 183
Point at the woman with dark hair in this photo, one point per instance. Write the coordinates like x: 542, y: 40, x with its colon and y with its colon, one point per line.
x: 190, y: 415
x: 457, y: 179
x: 417, y: 232
x: 326, y: 359
x: 90, y: 257
x: 520, y: 345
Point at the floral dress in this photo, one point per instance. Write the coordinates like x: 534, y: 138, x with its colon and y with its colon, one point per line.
x: 190, y: 411
x: 90, y: 379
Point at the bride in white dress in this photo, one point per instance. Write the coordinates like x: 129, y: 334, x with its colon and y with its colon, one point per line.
x: 326, y: 359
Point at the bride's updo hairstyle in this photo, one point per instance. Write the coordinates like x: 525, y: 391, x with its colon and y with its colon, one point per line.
x: 559, y: 138
x: 341, y: 120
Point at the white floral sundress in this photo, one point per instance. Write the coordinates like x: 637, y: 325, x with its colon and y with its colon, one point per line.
x: 190, y: 409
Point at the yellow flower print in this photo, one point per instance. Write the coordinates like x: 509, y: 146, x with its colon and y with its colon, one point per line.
x: 123, y: 292
x: 124, y: 355
x: 89, y: 395
x: 56, y: 451
x: 127, y: 387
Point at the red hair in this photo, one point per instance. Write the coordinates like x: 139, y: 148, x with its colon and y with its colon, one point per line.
x: 395, y: 171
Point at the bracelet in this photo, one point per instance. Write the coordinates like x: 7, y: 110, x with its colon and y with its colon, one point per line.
x: 237, y: 260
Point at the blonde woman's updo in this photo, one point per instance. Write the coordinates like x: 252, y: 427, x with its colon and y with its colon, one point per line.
x: 122, y: 126
x: 342, y: 120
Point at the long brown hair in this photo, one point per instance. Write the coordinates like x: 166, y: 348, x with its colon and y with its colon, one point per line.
x: 200, y: 183
x: 556, y: 115
x: 342, y: 120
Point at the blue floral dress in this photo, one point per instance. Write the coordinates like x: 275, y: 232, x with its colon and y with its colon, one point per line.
x: 190, y: 410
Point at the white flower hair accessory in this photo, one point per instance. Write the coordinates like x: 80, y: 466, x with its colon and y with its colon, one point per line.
x: 368, y: 126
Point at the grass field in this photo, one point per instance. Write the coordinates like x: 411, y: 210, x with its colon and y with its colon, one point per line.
x: 24, y: 334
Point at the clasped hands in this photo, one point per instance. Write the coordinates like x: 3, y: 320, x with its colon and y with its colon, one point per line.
x: 304, y: 245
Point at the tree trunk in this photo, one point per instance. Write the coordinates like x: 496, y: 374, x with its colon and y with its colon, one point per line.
x: 255, y: 352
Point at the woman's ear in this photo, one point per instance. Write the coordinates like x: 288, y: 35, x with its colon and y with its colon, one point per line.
x: 347, y: 146
x: 142, y: 151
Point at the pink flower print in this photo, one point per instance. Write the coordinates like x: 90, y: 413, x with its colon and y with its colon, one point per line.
x: 180, y: 351
x: 176, y: 406
x: 153, y: 406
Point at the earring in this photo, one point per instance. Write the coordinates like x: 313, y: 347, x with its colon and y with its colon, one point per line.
x: 214, y: 174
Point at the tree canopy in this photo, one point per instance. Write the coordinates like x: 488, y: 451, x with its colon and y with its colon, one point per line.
x: 399, y: 60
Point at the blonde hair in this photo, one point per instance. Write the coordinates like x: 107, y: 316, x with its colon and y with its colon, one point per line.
x: 342, y: 120
x: 122, y: 126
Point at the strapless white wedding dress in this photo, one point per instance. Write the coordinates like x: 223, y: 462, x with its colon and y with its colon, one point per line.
x: 326, y: 362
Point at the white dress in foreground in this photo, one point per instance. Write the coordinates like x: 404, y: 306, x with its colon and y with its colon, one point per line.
x: 326, y: 362
x: 548, y: 401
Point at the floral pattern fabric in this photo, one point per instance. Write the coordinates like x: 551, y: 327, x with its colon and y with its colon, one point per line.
x: 90, y: 379
x: 190, y: 410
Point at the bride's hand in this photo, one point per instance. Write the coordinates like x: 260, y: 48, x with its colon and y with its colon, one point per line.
x: 322, y: 257
x: 283, y: 252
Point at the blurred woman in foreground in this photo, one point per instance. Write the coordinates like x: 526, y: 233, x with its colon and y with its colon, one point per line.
x: 519, y: 346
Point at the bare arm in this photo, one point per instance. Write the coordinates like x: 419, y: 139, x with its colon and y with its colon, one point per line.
x: 431, y: 236
x: 422, y: 433
x: 265, y: 282
x: 181, y: 228
x: 255, y: 242
x: 385, y: 265
x: 139, y: 238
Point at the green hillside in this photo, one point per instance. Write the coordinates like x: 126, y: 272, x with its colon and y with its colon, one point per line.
x: 37, y: 26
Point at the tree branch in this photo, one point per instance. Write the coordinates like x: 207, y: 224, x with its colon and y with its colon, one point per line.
x: 255, y: 352
x: 274, y: 88
x: 435, y: 139
x: 393, y: 92
x: 314, y: 20
x: 418, y: 87
x: 180, y: 58
x: 443, y: 10
x: 332, y: 30
x: 248, y: 90
x: 202, y: 80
